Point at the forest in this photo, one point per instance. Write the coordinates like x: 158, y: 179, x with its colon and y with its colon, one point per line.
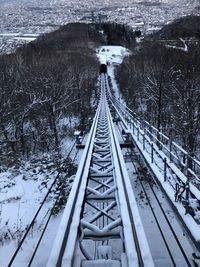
x: 56, y: 76
x: 42, y: 83
x: 162, y: 76
x: 47, y: 80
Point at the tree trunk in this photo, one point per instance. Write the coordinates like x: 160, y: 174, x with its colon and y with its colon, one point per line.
x: 54, y: 128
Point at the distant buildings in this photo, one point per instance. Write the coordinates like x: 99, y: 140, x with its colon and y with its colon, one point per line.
x: 44, y: 16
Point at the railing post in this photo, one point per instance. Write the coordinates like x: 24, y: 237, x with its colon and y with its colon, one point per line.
x: 170, y: 150
x: 187, y: 188
x: 142, y: 124
x: 165, y: 169
x: 184, y: 162
x: 150, y: 130
x: 133, y: 124
x: 151, y: 152
x: 184, y: 158
x: 158, y: 140
x: 138, y: 133
x: 130, y: 123
x: 189, y: 162
x: 143, y: 141
x: 194, y: 166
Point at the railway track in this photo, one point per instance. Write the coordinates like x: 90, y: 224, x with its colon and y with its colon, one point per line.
x: 101, y: 225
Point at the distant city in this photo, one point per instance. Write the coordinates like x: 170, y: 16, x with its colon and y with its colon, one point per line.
x: 23, y: 20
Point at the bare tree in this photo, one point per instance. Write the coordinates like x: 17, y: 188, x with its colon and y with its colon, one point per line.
x: 186, y: 108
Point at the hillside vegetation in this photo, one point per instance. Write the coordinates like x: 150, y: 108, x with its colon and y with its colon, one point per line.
x: 186, y: 27
x: 163, y: 80
x: 42, y: 83
x: 50, y: 80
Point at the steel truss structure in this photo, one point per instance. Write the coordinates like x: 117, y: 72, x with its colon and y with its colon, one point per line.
x: 101, y: 225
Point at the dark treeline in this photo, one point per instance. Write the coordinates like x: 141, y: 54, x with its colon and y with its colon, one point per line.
x: 114, y: 34
x: 49, y: 79
x: 41, y: 83
x: 185, y: 27
x: 164, y: 85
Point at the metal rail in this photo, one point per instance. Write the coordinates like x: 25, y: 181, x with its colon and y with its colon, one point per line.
x: 101, y: 225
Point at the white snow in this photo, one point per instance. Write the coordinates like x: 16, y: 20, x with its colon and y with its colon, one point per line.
x: 184, y: 48
x: 20, y: 198
x: 24, y: 38
x: 112, y: 56
x: 22, y: 189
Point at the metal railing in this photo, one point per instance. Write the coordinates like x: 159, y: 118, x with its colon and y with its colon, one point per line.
x: 179, y: 156
x: 169, y: 158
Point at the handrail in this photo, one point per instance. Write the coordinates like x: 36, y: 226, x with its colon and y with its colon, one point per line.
x: 176, y: 153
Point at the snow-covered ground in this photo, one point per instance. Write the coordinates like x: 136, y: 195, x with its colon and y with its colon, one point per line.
x: 22, y: 190
x: 183, y: 48
x: 112, y: 56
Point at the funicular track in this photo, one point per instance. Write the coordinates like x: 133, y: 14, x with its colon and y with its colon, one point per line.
x: 101, y: 225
